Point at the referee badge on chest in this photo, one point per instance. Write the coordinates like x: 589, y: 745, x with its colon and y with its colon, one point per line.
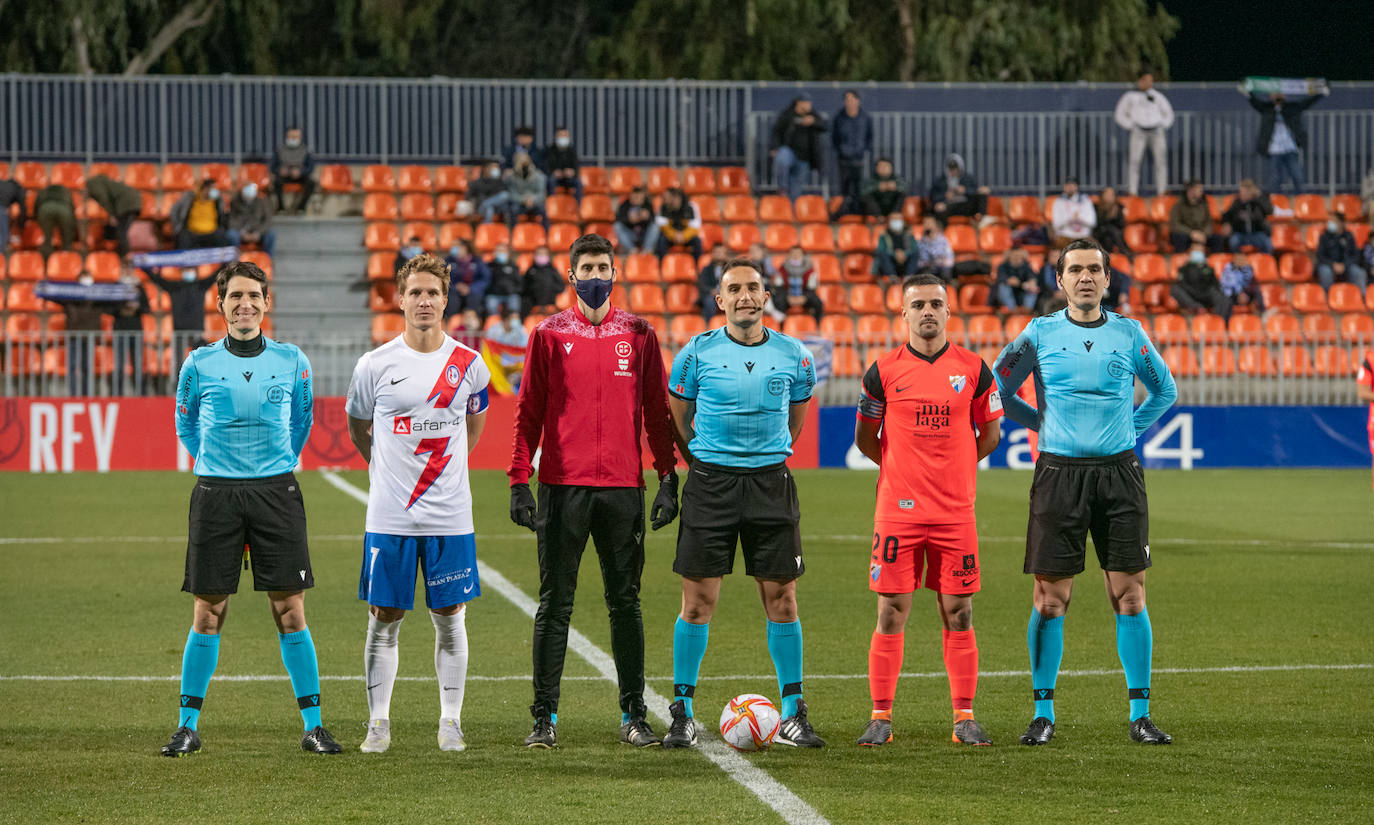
x: 958, y: 382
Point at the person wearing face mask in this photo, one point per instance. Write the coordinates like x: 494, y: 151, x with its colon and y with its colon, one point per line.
x: 560, y: 159
x: 526, y: 189
x: 199, y: 218
x: 250, y: 219
x: 469, y: 277
x: 1338, y: 257
x: 884, y: 192
x: 488, y: 193
x: 1239, y: 284
x: 1198, y: 288
x: 412, y: 248
x: 895, y: 257
x: 635, y: 226
x: 522, y: 142
x: 542, y: 285
x: 794, y: 287
x: 293, y: 164
x: 187, y: 295
x: 593, y: 376
x: 503, y: 292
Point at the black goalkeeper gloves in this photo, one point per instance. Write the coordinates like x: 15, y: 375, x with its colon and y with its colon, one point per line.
x: 665, y: 503
x: 522, y: 505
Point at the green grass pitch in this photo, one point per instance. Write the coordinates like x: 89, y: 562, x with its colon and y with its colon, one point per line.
x: 1260, y: 571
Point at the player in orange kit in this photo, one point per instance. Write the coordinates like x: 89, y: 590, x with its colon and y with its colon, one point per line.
x: 928, y: 414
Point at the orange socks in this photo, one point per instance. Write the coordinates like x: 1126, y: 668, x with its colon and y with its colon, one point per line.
x: 884, y: 664
x: 961, y: 663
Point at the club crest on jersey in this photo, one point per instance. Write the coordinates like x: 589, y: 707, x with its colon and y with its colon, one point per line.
x: 401, y: 425
x: 958, y: 382
x: 453, y: 375
x: 622, y: 349
x: 874, y: 571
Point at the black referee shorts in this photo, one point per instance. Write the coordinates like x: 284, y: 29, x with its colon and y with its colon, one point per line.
x: 1072, y: 497
x: 265, y: 514
x: 754, y: 507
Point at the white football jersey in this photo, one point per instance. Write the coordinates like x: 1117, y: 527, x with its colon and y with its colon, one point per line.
x: 419, y: 403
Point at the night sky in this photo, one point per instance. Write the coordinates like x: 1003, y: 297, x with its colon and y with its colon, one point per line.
x: 1225, y: 40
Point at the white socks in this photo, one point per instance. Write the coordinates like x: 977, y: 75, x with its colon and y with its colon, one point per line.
x: 380, y: 660
x: 450, y: 662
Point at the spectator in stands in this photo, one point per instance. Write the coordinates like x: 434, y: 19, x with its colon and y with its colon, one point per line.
x: 794, y: 286
x: 488, y: 193
x: 1367, y: 254
x: 522, y: 140
x: 187, y: 297
x: 795, y: 145
x: 679, y: 224
x: 55, y: 212
x: 957, y: 193
x: 293, y: 164
x: 128, y: 338
x: 1190, y: 220
x: 1052, y: 295
x: 121, y: 203
x: 885, y: 192
x: 635, y: 226
x: 708, y: 281
x: 1017, y: 285
x: 199, y: 219
x: 1239, y: 285
x: 10, y: 193
x: 83, y: 322
x: 468, y: 330
x: 852, y: 137
x: 503, y: 292
x: 412, y: 248
x: 528, y: 188
x: 1072, y: 217
x: 468, y: 279
x: 759, y: 256
x: 1282, y: 136
x: 1198, y: 288
x: 934, y: 254
x: 1110, y: 230
x: 542, y: 285
x: 1245, y: 222
x: 562, y: 163
x: 897, y: 251
x: 1117, y: 298
x: 510, y: 333
x: 1366, y: 195
x: 1338, y: 258
x: 250, y: 219
x: 1145, y: 112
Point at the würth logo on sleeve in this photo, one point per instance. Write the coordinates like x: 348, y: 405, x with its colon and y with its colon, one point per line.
x: 401, y: 425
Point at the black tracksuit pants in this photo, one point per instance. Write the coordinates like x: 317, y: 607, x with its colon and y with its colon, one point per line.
x: 614, y: 519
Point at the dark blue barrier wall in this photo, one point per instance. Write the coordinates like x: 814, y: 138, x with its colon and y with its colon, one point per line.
x: 1186, y: 437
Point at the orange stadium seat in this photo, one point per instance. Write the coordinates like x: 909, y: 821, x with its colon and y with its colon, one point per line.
x: 855, y: 238
x: 1266, y: 269
x: 1309, y: 209
x: 416, y: 206
x: 452, y: 232
x: 984, y: 330
x: 1369, y: 297
x: 26, y: 265
x: 562, y: 235
x: 596, y: 208
x: 23, y: 327
x: 1295, y: 268
x: 526, y: 236
x: 1156, y: 298
x: 834, y: 298
x: 1319, y: 327
x: 683, y: 327
x: 29, y: 174
x: 1024, y: 209
x: 1218, y: 360
x: 380, y: 206
x: 733, y: 180
x: 217, y: 172
x: 708, y: 208
x: 382, y: 237
x: 336, y: 179
x: 109, y: 170
x: 817, y: 237
x: 64, y: 266
x: 489, y: 235
x: 873, y: 330
x: 893, y: 299
x: 1287, y: 238
x: 1150, y: 268
x: 380, y: 266
x: 827, y: 268
x: 973, y: 299
x: 379, y: 178
x: 838, y: 327
x: 141, y: 176
x: 1245, y: 329
x: 625, y: 178
x: 742, y: 236
x: 1357, y: 326
x: 678, y: 267
x: 1160, y: 207
x: 178, y: 177
x: 1180, y: 361
x: 1134, y: 209
x: 1295, y: 360
x: 606, y: 230
x: 867, y: 299
x: 1283, y: 328
x: 562, y: 209
x: 911, y: 210
x: 1209, y: 329
x: 1345, y: 298
x: 994, y: 239
x: 1361, y: 233
x: 647, y: 298
x: 1142, y: 237
x: 1332, y: 362
x: 812, y: 209
x: 1255, y: 360
x: 595, y: 181
x: 386, y: 326
x: 711, y: 234
x: 451, y: 179
x: 103, y: 266
x: 799, y: 325
x: 1171, y: 328
x: 1348, y: 205
x: 262, y: 259
x: 382, y: 296
x: 414, y: 178
x: 740, y: 209
x: 20, y: 298
x: 446, y: 206
x: 1309, y: 298
x: 1311, y: 235
x: 68, y: 174
x: 662, y: 178
x: 1015, y: 325
x: 642, y: 269
x: 775, y: 209
x: 681, y: 299
x: 780, y: 237
x: 255, y: 173
x: 699, y: 180
x: 962, y: 239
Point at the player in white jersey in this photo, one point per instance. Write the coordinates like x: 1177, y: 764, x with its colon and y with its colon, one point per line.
x: 416, y: 407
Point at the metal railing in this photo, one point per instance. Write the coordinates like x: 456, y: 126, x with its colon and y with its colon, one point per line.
x: 102, y: 364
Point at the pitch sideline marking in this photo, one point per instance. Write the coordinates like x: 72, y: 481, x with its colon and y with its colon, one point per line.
x: 758, y: 782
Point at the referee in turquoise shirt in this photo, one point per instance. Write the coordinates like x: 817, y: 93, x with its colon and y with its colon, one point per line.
x: 1088, y: 478
x: 243, y: 410
x: 738, y: 397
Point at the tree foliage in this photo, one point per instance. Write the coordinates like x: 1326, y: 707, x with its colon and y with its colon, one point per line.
x: 843, y: 40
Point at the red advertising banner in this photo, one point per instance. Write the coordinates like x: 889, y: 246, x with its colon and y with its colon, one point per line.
x: 49, y: 435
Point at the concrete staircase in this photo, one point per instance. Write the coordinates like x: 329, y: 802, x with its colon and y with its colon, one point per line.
x: 318, y: 267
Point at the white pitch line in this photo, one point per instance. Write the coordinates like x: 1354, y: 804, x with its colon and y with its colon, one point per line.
x: 992, y: 674
x: 771, y: 792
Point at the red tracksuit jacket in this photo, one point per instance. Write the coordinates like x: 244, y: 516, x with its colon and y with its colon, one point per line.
x: 586, y: 390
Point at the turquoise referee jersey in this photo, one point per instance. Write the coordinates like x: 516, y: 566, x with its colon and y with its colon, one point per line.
x: 245, y: 416
x: 1085, y: 383
x: 743, y: 394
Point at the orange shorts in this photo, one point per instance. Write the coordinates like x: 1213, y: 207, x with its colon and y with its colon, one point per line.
x: 948, y: 553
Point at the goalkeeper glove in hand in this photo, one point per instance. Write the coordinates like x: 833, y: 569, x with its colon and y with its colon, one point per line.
x: 665, y: 503
x: 522, y: 505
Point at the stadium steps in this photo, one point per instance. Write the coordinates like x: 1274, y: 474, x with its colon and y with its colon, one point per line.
x: 320, y: 285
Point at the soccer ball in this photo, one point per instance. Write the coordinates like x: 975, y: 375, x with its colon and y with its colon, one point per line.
x: 749, y: 722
